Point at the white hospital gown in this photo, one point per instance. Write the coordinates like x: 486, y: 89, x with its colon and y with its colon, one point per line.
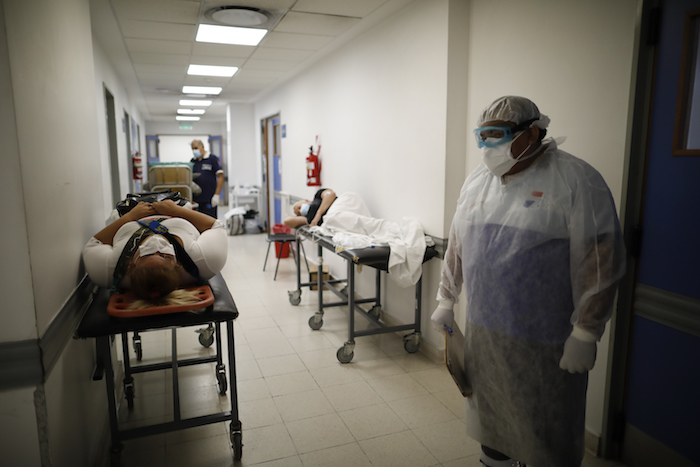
x: 536, y: 254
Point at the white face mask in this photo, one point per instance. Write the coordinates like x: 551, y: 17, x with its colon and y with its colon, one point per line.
x: 499, y: 159
x: 304, y: 210
x: 197, y: 153
x: 156, y: 244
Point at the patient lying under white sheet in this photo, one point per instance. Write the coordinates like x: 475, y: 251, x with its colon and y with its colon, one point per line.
x: 349, y: 223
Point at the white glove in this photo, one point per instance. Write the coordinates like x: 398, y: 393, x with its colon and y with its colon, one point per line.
x: 443, y: 315
x: 579, y: 352
x: 214, y: 201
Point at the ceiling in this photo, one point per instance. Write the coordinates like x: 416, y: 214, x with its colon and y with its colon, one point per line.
x: 151, y: 43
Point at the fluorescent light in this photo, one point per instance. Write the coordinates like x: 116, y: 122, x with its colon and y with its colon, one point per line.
x: 191, y: 111
x: 201, y: 90
x: 182, y: 118
x: 209, y: 70
x: 229, y: 35
x: 194, y: 103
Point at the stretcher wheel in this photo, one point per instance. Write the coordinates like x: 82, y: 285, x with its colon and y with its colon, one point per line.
x: 223, y: 382
x: 344, y: 355
x: 411, y: 342
x: 137, y: 348
x: 376, y: 312
x: 237, y: 444
x: 315, y: 323
x: 129, y: 394
x: 295, y: 297
x: 206, y: 336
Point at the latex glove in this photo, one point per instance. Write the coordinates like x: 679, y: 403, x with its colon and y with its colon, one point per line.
x: 443, y: 315
x: 214, y: 201
x: 579, y: 351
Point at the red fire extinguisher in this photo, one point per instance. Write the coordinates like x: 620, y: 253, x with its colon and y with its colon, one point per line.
x: 137, y: 166
x: 313, y: 167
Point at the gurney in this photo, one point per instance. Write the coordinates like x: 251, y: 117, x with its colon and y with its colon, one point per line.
x: 100, y: 324
x: 376, y: 257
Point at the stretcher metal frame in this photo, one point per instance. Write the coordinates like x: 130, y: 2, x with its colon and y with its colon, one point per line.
x: 375, y: 257
x: 99, y: 324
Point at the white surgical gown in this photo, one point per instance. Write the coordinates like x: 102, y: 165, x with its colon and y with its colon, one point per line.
x: 536, y: 253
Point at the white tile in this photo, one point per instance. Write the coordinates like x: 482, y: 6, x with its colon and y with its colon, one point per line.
x: 378, y: 368
x: 435, y: 379
x: 303, y: 405
x: 325, y: 431
x: 333, y: 375
x: 346, y: 455
x: 397, y: 449
x: 291, y: 383
x: 421, y: 410
x: 372, y: 421
x: 259, y: 413
x: 202, y: 452
x: 396, y: 387
x: 266, y: 444
x: 447, y: 441
x: 280, y: 365
x: 351, y: 395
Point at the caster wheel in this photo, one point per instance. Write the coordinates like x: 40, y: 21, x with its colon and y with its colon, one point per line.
x: 411, y: 343
x: 138, y: 350
x: 344, y: 356
x: 223, y: 382
x: 206, y: 341
x: 295, y: 297
x: 375, y: 312
x: 237, y: 444
x: 315, y: 323
x: 129, y: 394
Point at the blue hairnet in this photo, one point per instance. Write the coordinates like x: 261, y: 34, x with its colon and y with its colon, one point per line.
x: 513, y: 109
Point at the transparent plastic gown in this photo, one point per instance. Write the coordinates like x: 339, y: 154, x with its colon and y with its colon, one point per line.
x: 536, y: 253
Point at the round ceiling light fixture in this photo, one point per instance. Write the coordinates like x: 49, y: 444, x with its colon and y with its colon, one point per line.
x: 238, y: 16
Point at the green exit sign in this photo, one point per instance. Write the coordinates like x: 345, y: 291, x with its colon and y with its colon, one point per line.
x: 185, y: 127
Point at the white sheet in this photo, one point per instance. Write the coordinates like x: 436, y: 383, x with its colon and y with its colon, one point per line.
x: 349, y: 223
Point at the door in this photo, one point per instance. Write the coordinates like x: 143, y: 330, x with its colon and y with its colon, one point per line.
x: 271, y: 169
x: 661, y: 406
x: 216, y: 147
x: 111, y: 121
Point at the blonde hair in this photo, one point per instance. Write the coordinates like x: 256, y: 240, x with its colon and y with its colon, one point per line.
x: 176, y: 297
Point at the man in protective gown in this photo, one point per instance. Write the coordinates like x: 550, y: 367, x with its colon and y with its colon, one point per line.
x: 537, y: 245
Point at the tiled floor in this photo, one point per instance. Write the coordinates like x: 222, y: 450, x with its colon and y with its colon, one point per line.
x: 298, y: 405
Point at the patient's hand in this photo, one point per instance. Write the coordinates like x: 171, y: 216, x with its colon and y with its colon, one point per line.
x: 140, y: 211
x: 167, y: 207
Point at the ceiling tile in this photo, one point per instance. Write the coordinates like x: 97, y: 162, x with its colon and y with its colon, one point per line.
x: 284, y: 40
x: 311, y: 23
x: 167, y: 11
x: 274, y: 65
x: 161, y: 59
x: 287, y: 55
x: 356, y: 8
x: 216, y: 61
x: 157, y: 46
x: 222, y: 50
x: 158, y: 30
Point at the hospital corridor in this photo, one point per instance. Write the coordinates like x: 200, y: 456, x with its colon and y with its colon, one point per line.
x: 299, y: 405
x: 497, y: 203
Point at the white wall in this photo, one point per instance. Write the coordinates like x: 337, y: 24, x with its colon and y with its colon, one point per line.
x: 51, y: 175
x: 378, y: 106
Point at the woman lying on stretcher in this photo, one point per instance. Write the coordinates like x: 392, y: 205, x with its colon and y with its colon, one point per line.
x: 189, y: 246
x: 311, y: 212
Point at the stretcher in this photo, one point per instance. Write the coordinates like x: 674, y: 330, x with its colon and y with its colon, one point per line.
x: 374, y: 257
x: 99, y: 324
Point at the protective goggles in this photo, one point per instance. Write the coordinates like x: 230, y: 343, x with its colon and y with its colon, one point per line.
x: 492, y: 136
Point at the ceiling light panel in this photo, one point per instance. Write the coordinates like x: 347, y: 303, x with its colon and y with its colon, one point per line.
x: 183, y: 118
x: 194, y: 103
x: 229, y: 35
x: 207, y: 90
x: 191, y: 111
x: 211, y: 70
